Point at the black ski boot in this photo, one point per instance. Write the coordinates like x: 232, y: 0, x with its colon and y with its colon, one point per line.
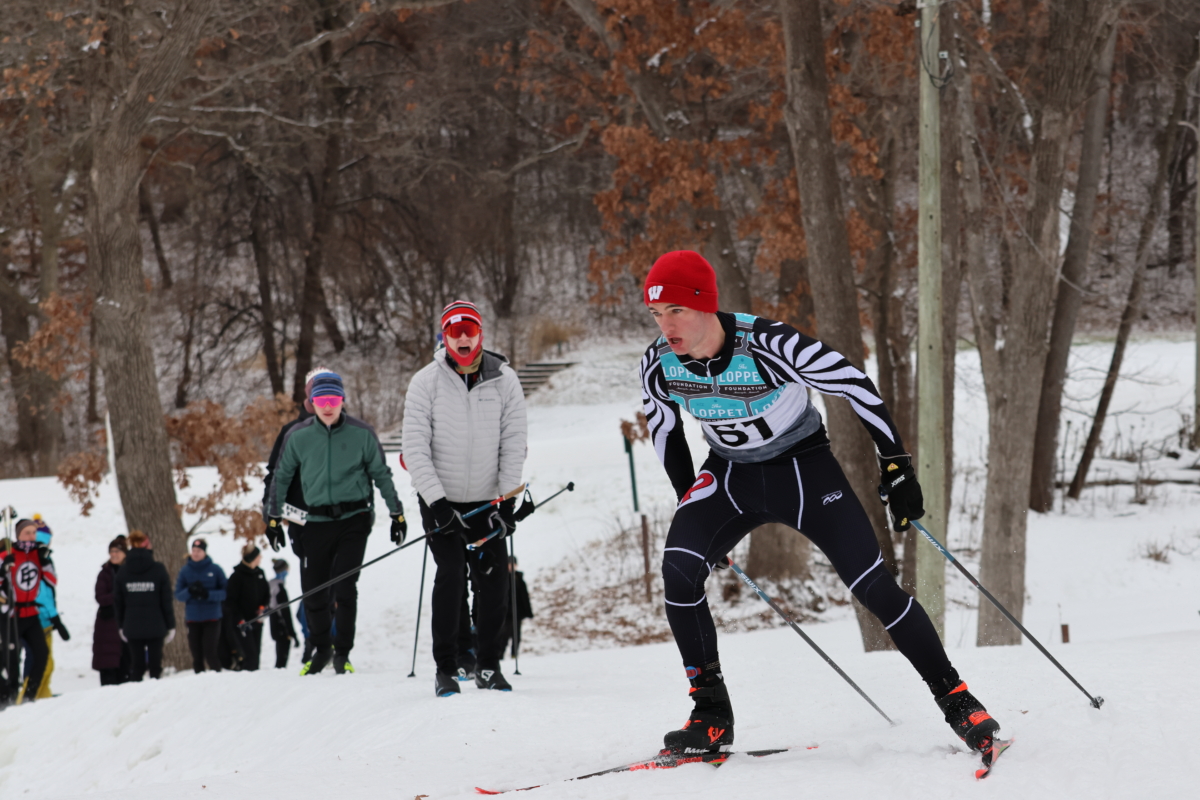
x: 966, y: 715
x: 709, y: 728
x: 320, y: 660
x: 445, y: 684
x: 466, y: 666
x: 492, y: 679
x: 341, y: 663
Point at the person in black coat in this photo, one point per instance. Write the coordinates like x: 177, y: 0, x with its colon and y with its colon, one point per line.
x: 144, y: 606
x: 110, y: 656
x: 524, y: 611
x: 247, y: 594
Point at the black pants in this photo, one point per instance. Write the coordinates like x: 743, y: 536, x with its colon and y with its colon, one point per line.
x: 204, y: 639
x: 488, y: 571
x: 506, y: 633
x: 281, y: 652
x: 29, y: 631
x: 331, y: 548
x: 141, y: 651
x: 251, y: 646
x: 811, y: 494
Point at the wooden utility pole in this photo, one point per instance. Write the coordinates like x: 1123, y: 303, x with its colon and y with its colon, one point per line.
x: 931, y: 417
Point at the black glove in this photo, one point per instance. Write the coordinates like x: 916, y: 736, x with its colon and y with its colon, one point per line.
x: 527, y: 508
x: 275, y: 533
x: 399, y: 527
x: 198, y: 590
x: 57, y: 622
x: 507, y: 514
x: 448, y: 520
x: 900, y: 491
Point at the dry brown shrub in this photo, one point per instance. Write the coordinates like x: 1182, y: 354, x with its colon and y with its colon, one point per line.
x: 549, y: 333
x: 205, y: 435
x: 60, y: 342
x: 80, y: 474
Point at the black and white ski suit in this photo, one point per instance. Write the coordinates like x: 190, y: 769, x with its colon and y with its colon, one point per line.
x: 769, y: 461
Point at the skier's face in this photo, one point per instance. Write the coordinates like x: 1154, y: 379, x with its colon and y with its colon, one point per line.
x: 684, y: 328
x: 463, y: 345
x: 27, y: 534
x: 198, y: 554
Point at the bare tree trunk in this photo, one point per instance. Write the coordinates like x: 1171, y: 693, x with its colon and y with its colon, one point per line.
x: 260, y: 245
x: 1012, y: 309
x: 312, y: 295
x: 146, y: 208
x: 1074, y: 271
x: 1133, y: 304
x: 119, y: 123
x: 831, y: 270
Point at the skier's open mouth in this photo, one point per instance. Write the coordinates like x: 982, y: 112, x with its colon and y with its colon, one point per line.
x: 674, y: 341
x: 464, y: 351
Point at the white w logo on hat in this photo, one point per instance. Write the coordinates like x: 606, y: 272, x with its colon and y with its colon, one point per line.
x: 654, y: 292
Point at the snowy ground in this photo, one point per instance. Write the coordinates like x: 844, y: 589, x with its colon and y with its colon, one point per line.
x: 1124, y: 575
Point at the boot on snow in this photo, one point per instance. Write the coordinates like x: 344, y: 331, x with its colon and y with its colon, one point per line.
x: 966, y: 716
x: 320, y: 660
x: 709, y: 728
x: 491, y: 679
x: 341, y: 663
x: 445, y: 684
x: 466, y: 666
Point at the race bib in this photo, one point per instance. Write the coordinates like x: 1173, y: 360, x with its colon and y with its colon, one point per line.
x: 293, y: 514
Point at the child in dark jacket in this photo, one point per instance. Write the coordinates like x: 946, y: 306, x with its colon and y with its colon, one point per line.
x: 145, y: 613
x: 247, y: 595
x: 110, y: 656
x: 28, y: 565
x: 200, y: 586
x: 282, y: 629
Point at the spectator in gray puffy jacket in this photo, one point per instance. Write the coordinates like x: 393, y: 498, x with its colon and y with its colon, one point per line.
x: 464, y: 445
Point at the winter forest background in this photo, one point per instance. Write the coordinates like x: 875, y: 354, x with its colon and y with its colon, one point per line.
x: 200, y: 200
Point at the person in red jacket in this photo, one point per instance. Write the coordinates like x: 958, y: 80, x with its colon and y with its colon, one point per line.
x: 27, y: 565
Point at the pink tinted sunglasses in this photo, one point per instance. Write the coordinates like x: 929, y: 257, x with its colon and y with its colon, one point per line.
x: 330, y: 401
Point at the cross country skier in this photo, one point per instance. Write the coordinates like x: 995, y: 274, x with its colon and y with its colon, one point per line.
x: 464, y: 445
x: 745, y: 378
x: 335, y: 457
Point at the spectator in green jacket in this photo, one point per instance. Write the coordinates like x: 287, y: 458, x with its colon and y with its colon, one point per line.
x: 338, y: 458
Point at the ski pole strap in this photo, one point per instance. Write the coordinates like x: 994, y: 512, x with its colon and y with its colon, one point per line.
x: 1095, y: 701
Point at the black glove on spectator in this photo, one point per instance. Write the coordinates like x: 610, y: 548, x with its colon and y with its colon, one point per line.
x: 197, y: 590
x: 900, y: 491
x: 399, y: 528
x: 275, y: 533
x: 57, y: 622
x: 508, y: 516
x: 447, y: 518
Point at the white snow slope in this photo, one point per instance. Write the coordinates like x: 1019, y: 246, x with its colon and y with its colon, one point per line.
x: 1135, y: 639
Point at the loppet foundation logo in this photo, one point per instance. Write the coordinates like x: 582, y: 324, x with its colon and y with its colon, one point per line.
x: 705, y: 486
x: 654, y: 292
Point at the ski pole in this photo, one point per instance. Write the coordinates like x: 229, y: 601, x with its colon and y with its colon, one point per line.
x: 1095, y: 701
x: 392, y: 552
x: 512, y: 580
x: 420, y: 598
x: 570, y: 487
x: 805, y: 637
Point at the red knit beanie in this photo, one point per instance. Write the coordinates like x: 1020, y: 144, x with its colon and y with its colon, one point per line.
x: 683, y: 278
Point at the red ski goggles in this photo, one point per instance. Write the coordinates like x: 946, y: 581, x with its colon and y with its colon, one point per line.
x: 328, y: 401
x: 466, y: 327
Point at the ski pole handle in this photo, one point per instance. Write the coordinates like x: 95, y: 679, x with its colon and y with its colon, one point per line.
x: 570, y: 487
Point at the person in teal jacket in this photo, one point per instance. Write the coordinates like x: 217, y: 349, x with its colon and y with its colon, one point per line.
x: 47, y: 603
x: 338, y: 458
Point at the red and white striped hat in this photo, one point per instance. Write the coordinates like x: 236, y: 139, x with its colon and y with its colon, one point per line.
x: 460, y: 310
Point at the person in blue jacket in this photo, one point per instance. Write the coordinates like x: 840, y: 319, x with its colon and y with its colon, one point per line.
x: 200, y: 585
x: 47, y: 614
